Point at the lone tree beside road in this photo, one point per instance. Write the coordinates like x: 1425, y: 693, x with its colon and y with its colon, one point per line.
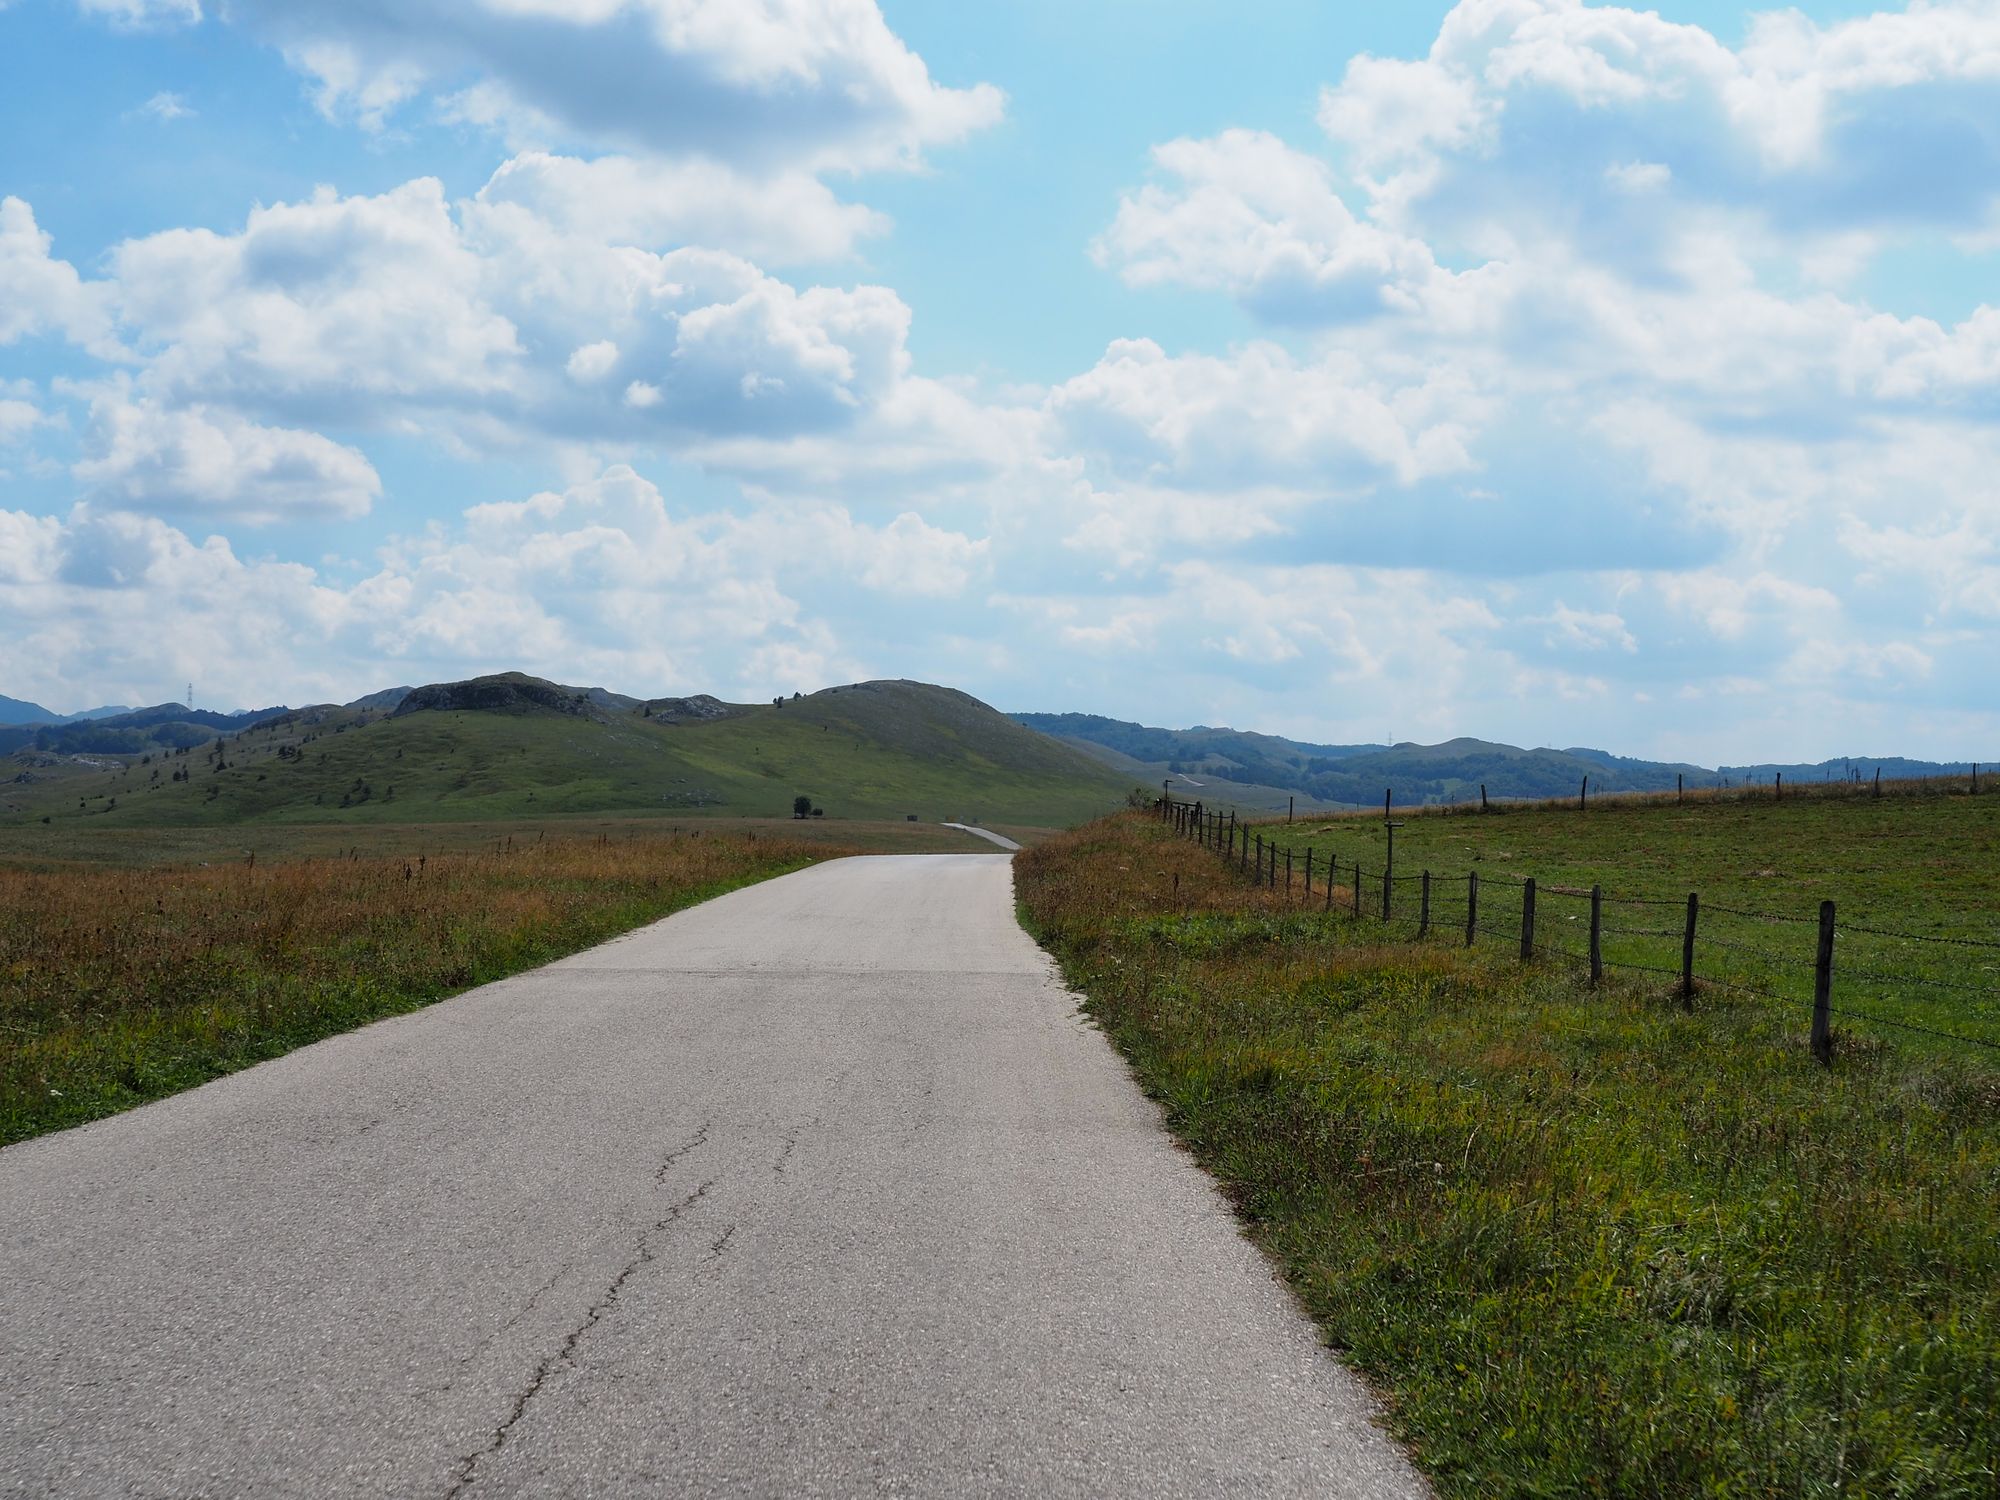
x: 802, y: 807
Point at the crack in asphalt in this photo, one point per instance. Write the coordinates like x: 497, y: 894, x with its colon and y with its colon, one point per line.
x: 791, y: 1137
x: 468, y: 1466
x: 699, y: 1138
x: 520, y: 1313
x: 715, y: 1250
x: 791, y: 1145
x: 643, y: 1254
x: 465, y: 1362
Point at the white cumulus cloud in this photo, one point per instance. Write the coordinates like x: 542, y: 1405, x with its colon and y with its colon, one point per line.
x: 142, y: 456
x: 809, y: 82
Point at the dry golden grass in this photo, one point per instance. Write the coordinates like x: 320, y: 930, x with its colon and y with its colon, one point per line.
x: 119, y: 986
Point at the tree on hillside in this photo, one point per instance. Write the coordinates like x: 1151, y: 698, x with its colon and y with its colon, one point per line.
x: 802, y: 807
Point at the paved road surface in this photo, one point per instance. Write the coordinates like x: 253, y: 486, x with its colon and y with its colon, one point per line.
x: 818, y: 1189
x: 985, y: 833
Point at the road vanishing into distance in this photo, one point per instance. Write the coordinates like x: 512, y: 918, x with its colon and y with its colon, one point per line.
x: 821, y: 1188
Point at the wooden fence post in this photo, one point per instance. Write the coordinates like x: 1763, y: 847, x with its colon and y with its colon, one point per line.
x: 1471, y: 906
x: 1528, y: 919
x: 1780, y: 784
x: 1288, y: 872
x: 1357, y: 888
x: 1388, y: 879
x: 1387, y: 793
x: 1596, y: 936
x: 1680, y: 786
x: 1309, y: 874
x: 1583, y: 795
x: 1332, y: 869
x: 1822, y: 1021
x: 1878, y: 781
x: 1243, y: 859
x: 1687, y: 953
x: 1424, y: 911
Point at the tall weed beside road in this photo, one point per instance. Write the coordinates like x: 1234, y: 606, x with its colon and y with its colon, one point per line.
x: 1585, y: 1242
x: 120, y: 986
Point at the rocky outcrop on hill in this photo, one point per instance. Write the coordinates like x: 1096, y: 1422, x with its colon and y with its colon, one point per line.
x: 503, y: 693
x: 699, y: 709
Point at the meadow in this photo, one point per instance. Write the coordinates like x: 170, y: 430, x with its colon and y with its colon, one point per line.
x: 1911, y: 874
x: 1584, y: 1241
x: 84, y: 845
x: 119, y: 984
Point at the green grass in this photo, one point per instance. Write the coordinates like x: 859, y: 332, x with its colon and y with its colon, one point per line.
x: 875, y: 752
x: 1910, y: 863
x: 1584, y: 1242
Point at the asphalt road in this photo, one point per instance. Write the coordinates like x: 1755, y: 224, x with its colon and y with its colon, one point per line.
x: 985, y: 833
x: 819, y: 1189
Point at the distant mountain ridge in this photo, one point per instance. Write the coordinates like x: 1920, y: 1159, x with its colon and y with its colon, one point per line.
x: 15, y: 712
x: 165, y: 726
x: 1454, y: 771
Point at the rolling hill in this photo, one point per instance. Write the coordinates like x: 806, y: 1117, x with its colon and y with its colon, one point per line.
x: 511, y: 746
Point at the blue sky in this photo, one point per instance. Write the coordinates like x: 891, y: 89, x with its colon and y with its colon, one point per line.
x: 1551, y: 372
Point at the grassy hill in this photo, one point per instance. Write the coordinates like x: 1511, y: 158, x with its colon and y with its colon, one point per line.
x: 514, y: 747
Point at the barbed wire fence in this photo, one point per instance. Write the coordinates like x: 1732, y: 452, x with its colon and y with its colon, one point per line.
x: 1781, y: 958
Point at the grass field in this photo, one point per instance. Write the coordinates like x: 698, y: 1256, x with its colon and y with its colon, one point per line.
x: 1902, y: 870
x: 120, y: 985
x: 83, y: 845
x: 1585, y: 1242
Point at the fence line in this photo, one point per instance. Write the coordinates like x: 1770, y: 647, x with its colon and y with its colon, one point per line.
x: 1341, y: 887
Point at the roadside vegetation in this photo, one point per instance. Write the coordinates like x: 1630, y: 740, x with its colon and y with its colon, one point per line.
x: 1584, y: 1241
x: 118, y: 986
x: 74, y: 847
